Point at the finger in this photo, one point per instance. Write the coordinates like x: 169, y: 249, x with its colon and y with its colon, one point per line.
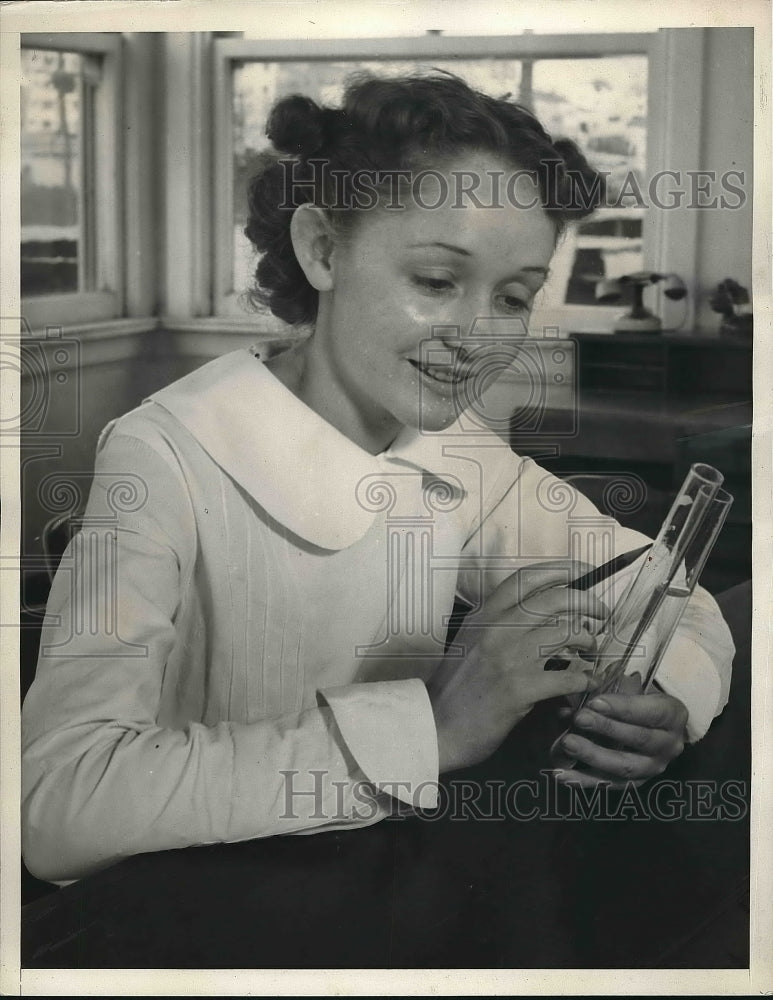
x: 564, y: 601
x: 573, y: 659
x: 616, y: 764
x: 534, y: 687
x: 629, y: 684
x: 534, y: 578
x: 655, y: 711
x: 558, y: 639
x: 567, y: 627
x: 575, y: 701
x: 553, y: 602
x: 588, y: 779
x: 639, y: 739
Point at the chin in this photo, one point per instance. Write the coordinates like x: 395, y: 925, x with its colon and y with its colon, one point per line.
x: 436, y: 418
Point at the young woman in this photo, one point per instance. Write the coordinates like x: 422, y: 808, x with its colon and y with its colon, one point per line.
x: 247, y: 638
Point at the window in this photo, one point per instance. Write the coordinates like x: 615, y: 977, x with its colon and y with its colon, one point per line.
x: 590, y: 88
x: 56, y: 171
x: 70, y: 197
x: 602, y: 105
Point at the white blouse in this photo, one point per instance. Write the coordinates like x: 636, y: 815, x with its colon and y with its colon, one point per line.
x: 236, y: 643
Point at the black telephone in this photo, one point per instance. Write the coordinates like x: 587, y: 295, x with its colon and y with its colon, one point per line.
x: 638, y: 319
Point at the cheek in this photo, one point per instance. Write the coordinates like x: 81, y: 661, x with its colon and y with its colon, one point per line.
x: 378, y: 311
x: 420, y: 314
x: 384, y: 322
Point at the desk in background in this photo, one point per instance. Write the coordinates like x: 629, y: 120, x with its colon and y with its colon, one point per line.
x: 645, y: 405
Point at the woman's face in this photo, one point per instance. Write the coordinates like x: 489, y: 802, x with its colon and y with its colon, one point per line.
x: 421, y: 299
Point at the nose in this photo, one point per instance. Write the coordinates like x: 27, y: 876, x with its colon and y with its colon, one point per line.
x: 483, y: 333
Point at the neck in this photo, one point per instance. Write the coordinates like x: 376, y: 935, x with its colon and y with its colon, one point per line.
x: 302, y: 370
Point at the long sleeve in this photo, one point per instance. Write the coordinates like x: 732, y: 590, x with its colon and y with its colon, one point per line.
x: 103, y: 779
x: 532, y: 515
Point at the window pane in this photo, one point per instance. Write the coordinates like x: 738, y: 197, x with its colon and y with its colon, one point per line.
x: 600, y: 103
x: 51, y: 172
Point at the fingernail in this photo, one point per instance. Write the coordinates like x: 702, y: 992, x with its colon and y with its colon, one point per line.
x: 571, y: 743
x: 599, y: 705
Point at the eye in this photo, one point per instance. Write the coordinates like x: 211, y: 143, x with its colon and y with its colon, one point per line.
x: 433, y: 285
x: 514, y: 304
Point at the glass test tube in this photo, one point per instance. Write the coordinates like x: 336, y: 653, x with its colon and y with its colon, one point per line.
x: 636, y: 635
x: 697, y: 552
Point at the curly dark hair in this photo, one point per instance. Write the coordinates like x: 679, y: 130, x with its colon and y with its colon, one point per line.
x: 386, y: 125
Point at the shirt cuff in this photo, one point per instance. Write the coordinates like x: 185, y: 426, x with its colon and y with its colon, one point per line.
x: 389, y: 729
x: 688, y: 673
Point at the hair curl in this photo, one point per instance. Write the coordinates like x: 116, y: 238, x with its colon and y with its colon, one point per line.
x: 386, y: 125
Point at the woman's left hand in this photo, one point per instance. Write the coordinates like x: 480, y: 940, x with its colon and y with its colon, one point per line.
x: 649, y: 728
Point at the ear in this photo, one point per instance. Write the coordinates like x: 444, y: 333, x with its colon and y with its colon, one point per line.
x: 313, y: 243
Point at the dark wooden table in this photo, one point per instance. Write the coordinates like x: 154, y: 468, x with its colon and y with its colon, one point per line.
x: 467, y: 892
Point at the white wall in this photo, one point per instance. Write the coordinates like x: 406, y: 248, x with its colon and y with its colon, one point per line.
x: 725, y: 237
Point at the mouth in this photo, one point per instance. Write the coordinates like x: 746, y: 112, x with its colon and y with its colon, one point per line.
x: 448, y: 375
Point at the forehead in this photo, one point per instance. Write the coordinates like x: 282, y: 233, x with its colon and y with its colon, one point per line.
x: 472, y: 175
x: 490, y: 207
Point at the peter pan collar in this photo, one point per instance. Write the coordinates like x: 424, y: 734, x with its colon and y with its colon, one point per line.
x: 300, y: 468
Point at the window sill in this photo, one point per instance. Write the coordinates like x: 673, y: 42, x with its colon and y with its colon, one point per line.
x: 212, y: 336
x: 110, y: 341
x: 89, y: 343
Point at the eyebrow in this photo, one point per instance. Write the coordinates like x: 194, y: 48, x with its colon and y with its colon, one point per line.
x: 444, y: 246
x: 530, y: 269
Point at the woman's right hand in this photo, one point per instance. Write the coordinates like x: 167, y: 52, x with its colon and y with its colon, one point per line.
x: 477, y: 697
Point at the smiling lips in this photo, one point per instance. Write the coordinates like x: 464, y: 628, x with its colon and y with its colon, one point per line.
x: 445, y: 374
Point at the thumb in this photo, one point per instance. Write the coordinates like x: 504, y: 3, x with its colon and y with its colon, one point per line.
x: 556, y: 684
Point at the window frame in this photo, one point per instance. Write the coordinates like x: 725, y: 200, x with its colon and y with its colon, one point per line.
x: 106, y: 301
x: 663, y: 133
